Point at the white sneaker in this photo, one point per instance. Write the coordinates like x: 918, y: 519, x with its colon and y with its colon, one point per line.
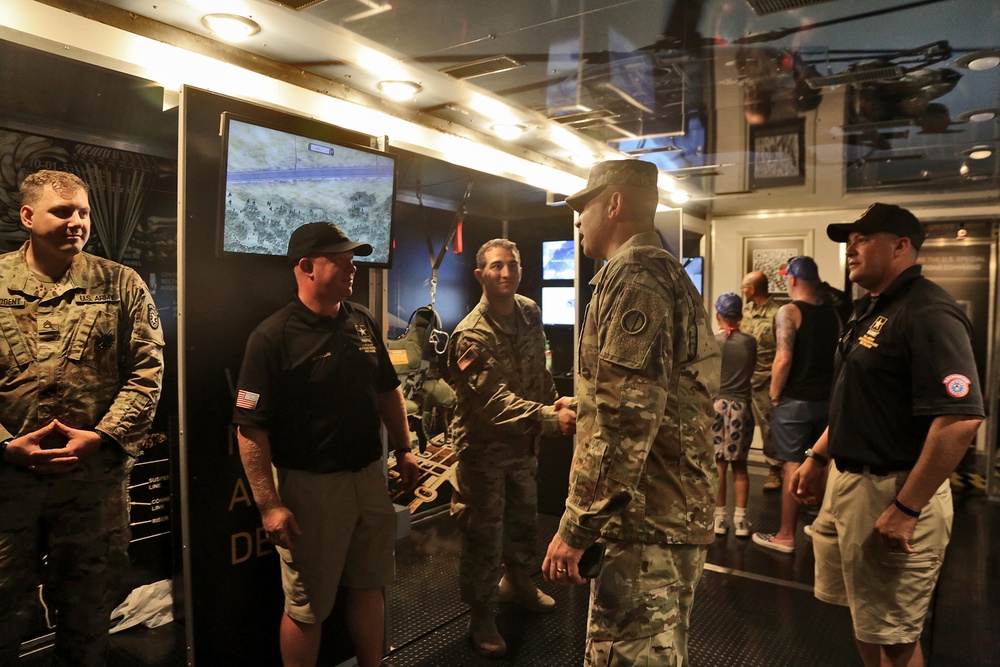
x: 743, y: 528
x: 721, y: 524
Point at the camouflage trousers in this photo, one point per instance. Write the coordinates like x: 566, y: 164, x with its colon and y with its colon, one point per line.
x: 496, y: 508
x: 81, y: 528
x: 640, y: 605
x: 762, y: 415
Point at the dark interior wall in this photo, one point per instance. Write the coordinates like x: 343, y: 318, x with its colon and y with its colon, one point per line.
x: 236, y: 599
x: 420, y: 233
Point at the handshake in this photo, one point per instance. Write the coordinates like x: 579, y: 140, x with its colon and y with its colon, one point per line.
x: 566, y: 411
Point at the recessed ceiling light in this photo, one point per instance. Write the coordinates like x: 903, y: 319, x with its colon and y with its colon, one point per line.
x: 399, y: 90
x: 978, y: 115
x: 230, y: 26
x: 583, y: 159
x: 508, y: 130
x: 979, y: 60
x: 978, y: 152
x: 679, y: 196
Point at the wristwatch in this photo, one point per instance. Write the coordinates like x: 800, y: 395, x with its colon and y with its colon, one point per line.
x: 822, y: 460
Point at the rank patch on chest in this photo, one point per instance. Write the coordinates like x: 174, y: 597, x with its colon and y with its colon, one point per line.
x: 634, y: 322
x: 957, y: 385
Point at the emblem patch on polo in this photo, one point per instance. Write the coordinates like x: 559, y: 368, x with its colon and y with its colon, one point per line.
x: 367, y: 344
x: 957, y: 385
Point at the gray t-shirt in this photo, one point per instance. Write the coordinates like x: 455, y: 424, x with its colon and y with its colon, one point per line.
x: 739, y: 355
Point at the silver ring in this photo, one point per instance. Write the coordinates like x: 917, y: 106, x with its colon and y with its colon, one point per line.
x: 560, y: 569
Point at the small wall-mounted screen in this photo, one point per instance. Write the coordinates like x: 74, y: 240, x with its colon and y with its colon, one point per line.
x: 558, y: 260
x: 277, y: 181
x: 695, y: 267
x: 558, y: 305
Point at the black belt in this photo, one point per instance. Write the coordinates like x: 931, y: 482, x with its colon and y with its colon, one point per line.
x: 857, y: 468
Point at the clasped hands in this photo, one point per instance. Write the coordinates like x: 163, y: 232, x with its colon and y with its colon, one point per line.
x: 28, y: 451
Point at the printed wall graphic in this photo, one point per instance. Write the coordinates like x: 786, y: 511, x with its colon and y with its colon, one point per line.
x: 777, y: 154
x: 769, y: 254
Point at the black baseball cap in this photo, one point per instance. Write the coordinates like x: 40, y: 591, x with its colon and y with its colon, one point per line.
x: 614, y: 172
x: 317, y: 237
x: 881, y: 218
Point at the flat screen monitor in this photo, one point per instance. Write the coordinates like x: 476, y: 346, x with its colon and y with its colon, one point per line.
x: 558, y: 305
x: 558, y: 260
x: 279, y: 176
x: 695, y: 267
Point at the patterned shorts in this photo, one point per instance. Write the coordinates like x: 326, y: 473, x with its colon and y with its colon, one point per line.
x: 732, y: 431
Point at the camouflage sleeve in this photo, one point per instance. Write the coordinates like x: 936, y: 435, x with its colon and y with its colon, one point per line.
x: 630, y: 401
x: 481, y: 384
x: 132, y: 411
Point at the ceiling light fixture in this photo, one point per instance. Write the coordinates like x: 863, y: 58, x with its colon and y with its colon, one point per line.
x: 679, y: 196
x: 508, y: 130
x: 230, y: 27
x: 978, y: 152
x: 399, y: 90
x: 583, y: 159
x: 979, y: 60
x: 978, y: 115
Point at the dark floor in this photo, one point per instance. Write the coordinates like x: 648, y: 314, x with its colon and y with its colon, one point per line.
x: 753, y: 607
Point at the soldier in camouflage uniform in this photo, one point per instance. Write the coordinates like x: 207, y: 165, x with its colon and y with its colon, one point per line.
x: 81, y: 355
x: 506, y: 399
x: 643, y: 477
x: 758, y: 321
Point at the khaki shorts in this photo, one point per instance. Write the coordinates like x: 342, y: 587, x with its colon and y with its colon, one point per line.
x: 888, y: 592
x: 348, y: 536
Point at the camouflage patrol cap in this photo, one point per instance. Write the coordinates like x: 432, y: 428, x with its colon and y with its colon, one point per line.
x: 614, y: 172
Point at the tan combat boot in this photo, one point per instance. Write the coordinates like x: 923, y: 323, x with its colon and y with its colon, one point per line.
x: 484, y: 634
x: 517, y: 585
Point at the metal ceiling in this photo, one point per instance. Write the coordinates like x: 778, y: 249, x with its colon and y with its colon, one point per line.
x: 889, y: 95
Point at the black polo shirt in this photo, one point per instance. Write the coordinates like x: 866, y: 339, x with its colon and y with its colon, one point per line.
x: 311, y: 382
x: 905, y: 358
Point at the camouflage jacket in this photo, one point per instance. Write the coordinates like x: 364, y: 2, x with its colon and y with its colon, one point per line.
x: 644, y: 468
x: 758, y: 321
x: 505, y: 393
x: 86, y: 350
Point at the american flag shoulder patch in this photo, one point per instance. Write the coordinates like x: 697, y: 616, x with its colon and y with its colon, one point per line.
x: 247, y: 399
